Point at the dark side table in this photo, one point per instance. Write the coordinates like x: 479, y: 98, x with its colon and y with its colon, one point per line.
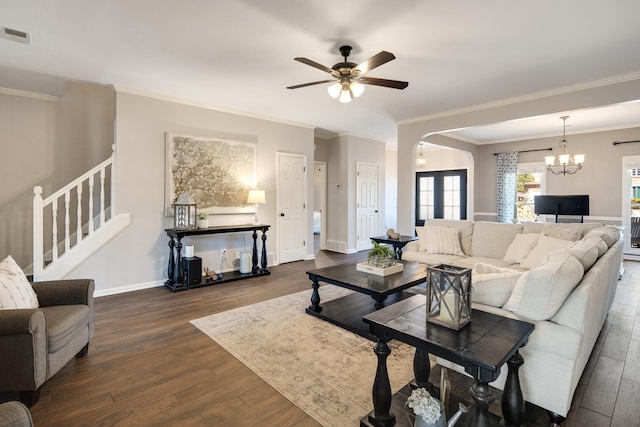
x: 482, y: 347
x: 397, y: 244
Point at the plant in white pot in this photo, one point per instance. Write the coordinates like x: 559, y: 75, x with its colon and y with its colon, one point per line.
x: 203, y: 220
x: 380, y: 255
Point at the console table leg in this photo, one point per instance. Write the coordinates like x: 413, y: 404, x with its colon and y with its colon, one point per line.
x: 177, y: 277
x: 422, y: 369
x: 382, y: 388
x: 172, y: 261
x: 315, y: 297
x: 254, y: 255
x: 513, y: 406
x: 483, y: 397
x: 263, y: 258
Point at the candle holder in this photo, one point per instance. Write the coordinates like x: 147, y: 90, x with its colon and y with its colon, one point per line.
x: 449, y: 296
x: 184, y: 216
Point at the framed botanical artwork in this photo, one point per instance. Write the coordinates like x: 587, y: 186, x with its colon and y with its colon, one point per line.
x: 214, y: 173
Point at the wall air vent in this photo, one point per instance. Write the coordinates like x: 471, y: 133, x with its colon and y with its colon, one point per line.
x: 15, y: 35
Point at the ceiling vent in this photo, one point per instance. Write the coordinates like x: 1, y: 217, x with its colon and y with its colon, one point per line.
x: 15, y: 35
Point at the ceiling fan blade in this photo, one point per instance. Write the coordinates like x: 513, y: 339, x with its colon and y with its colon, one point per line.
x: 394, y: 84
x: 314, y: 64
x: 309, y: 84
x: 375, y: 61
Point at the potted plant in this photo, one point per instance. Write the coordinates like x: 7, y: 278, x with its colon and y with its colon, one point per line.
x: 380, y: 255
x: 203, y: 220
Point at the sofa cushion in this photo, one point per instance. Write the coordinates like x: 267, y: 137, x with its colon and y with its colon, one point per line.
x: 15, y: 289
x: 492, y: 285
x: 571, y: 232
x: 64, y: 322
x: 544, y: 246
x: 609, y: 233
x: 520, y: 247
x: 469, y: 262
x: 465, y: 228
x: 541, y: 291
x: 430, y: 259
x: 532, y: 227
x: 585, y: 252
x: 491, y: 239
x: 600, y: 244
x: 440, y: 240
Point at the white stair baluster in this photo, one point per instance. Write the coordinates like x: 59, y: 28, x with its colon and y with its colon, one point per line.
x: 67, y: 238
x: 101, y: 197
x: 90, y: 220
x: 79, y: 214
x: 38, y: 241
x: 54, y: 231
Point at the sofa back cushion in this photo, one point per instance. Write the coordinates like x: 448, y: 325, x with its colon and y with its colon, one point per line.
x: 571, y: 232
x: 541, y: 291
x: 464, y: 227
x: 595, y: 240
x: 585, y: 252
x: 491, y: 239
x: 609, y: 233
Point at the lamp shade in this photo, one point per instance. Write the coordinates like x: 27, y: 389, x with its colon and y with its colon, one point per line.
x: 256, y: 196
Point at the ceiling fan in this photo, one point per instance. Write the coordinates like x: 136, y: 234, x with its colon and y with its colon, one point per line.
x: 348, y: 76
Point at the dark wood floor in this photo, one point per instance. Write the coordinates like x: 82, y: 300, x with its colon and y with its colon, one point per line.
x: 148, y: 366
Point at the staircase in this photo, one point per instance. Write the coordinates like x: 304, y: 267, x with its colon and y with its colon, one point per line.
x: 79, y: 219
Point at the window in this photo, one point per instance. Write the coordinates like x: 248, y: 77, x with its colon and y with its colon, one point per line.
x: 441, y: 194
x: 530, y: 183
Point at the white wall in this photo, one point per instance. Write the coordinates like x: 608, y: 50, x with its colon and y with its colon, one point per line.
x: 138, y: 256
x: 391, y: 189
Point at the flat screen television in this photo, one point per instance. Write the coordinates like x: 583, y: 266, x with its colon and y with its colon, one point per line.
x: 577, y: 205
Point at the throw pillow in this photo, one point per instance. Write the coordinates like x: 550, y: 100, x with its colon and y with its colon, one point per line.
x: 492, y: 285
x: 15, y: 289
x: 544, y: 246
x: 541, y: 291
x: 520, y: 247
x: 600, y: 245
x: 569, y: 232
x: 442, y: 240
x: 585, y: 252
x: 609, y: 233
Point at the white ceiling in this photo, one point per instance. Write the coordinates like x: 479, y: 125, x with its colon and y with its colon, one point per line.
x: 238, y: 55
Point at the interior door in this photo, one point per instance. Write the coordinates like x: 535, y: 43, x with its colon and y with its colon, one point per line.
x: 367, y: 204
x: 292, y: 201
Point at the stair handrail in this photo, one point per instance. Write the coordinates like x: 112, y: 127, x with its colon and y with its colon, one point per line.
x: 39, y: 205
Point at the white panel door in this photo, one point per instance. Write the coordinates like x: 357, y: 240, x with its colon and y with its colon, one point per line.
x: 292, y: 212
x: 367, y: 204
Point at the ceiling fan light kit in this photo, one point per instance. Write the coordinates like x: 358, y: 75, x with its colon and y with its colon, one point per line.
x: 349, y: 82
x: 567, y: 165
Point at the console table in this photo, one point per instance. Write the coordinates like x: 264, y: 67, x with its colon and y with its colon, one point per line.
x: 174, y: 268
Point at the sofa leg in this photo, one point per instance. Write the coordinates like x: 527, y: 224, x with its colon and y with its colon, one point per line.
x: 30, y: 398
x: 83, y: 352
x: 556, y: 420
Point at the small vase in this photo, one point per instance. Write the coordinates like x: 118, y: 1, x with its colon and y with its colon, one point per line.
x: 203, y: 223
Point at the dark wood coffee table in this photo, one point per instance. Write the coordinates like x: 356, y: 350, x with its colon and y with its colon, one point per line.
x: 372, y: 293
x: 482, y: 348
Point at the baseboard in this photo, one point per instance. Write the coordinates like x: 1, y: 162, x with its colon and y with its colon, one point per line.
x: 127, y: 288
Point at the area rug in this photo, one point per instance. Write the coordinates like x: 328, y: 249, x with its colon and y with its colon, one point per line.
x: 325, y: 370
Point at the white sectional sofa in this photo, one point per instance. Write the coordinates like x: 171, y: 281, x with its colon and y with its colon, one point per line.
x: 561, y: 277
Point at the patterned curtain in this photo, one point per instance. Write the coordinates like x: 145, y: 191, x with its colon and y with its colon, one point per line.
x: 507, y: 186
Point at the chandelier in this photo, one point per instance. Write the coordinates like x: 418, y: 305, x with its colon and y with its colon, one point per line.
x: 421, y: 161
x: 567, y: 164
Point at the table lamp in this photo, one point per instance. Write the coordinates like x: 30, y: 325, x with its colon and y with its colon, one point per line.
x: 256, y: 197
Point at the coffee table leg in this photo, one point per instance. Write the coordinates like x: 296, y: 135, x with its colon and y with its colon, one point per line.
x: 483, y: 397
x: 382, y: 388
x: 422, y: 369
x: 513, y: 406
x: 379, y: 301
x: 315, y: 297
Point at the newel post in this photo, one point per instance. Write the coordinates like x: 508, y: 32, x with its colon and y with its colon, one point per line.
x: 38, y: 230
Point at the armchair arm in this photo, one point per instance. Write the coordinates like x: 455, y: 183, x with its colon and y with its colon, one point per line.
x: 23, y: 339
x: 64, y: 292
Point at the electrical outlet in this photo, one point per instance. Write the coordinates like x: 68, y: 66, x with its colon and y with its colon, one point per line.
x: 223, y: 252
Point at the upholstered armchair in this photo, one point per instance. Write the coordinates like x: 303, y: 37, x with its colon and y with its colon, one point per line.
x: 15, y: 414
x: 36, y: 343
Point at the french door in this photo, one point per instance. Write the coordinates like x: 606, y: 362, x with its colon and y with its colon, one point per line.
x: 441, y: 194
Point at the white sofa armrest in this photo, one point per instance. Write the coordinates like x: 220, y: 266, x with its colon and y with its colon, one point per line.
x: 413, y: 246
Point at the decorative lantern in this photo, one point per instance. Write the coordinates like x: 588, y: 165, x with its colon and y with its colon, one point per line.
x: 184, y: 216
x: 449, y: 296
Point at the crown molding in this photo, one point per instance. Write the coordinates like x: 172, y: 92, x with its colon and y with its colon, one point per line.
x: 525, y: 98
x: 25, y: 94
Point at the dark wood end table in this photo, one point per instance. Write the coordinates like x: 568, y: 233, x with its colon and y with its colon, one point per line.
x: 397, y: 244
x: 373, y: 292
x: 482, y: 348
